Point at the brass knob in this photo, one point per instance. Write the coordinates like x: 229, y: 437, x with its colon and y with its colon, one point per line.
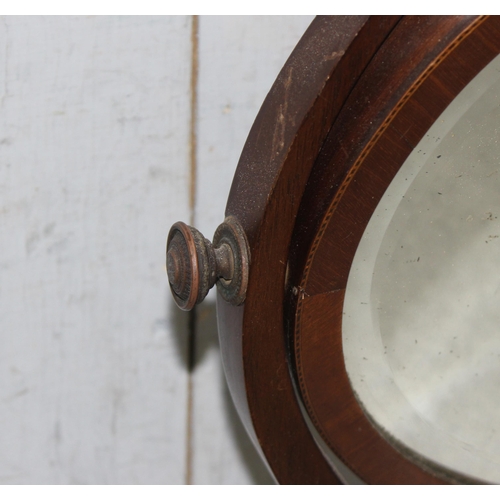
x: 194, y: 264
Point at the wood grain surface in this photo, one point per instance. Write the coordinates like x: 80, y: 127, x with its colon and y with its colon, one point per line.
x: 96, y: 141
x: 93, y: 380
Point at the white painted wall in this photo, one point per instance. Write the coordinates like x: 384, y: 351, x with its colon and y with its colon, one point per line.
x: 94, y: 168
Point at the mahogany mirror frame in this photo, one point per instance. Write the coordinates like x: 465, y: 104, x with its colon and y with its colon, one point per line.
x: 351, y: 103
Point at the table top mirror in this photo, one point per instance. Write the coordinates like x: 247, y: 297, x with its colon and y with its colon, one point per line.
x: 357, y: 266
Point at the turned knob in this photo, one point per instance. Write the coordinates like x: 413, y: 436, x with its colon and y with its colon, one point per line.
x: 194, y: 264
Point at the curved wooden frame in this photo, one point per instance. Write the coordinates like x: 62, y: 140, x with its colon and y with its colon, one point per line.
x: 362, y: 169
x: 314, y: 167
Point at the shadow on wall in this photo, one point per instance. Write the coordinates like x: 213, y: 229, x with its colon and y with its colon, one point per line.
x: 180, y: 328
x: 215, y: 387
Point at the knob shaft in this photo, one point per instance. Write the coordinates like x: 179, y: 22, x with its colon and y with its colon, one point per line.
x: 194, y: 264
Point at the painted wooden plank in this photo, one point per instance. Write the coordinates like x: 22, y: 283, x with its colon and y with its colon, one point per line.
x: 239, y: 59
x: 94, y: 167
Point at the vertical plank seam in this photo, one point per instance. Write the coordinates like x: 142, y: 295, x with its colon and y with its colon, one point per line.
x: 193, y: 119
x: 192, y: 207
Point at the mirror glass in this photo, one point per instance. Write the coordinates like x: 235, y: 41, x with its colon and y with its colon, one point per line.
x: 421, y: 323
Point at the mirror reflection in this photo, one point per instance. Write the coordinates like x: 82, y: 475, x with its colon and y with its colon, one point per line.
x: 421, y: 324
